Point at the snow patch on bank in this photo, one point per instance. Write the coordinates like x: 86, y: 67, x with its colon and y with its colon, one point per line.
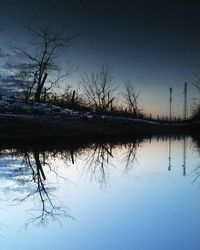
x: 9, y: 105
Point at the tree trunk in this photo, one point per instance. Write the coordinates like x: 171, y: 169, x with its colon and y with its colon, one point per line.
x: 40, y: 88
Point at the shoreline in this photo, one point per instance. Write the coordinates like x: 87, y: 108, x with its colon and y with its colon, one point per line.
x: 72, y: 128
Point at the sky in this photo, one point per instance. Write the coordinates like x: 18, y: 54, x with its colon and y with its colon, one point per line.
x: 153, y: 44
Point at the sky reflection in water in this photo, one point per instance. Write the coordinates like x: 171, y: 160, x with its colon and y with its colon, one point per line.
x: 112, y: 197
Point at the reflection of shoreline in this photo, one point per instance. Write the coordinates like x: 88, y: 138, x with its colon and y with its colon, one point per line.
x: 75, y: 142
x: 31, y: 176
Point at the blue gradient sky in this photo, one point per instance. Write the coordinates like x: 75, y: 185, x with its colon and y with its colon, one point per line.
x: 153, y: 44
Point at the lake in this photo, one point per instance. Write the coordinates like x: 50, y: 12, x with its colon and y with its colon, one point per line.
x: 142, y: 194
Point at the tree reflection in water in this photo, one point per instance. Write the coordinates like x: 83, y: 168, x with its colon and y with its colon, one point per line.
x: 97, y: 163
x: 31, y: 180
x: 99, y: 160
x: 130, y: 157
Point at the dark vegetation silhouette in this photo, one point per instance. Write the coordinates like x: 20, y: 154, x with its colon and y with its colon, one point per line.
x: 38, y: 70
x: 131, y: 99
x: 37, y: 74
x: 97, y: 94
x: 98, y: 90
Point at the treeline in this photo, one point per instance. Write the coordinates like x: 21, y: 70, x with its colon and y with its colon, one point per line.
x: 96, y: 93
x: 36, y: 73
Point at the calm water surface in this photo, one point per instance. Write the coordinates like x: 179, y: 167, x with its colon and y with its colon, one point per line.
x: 140, y: 195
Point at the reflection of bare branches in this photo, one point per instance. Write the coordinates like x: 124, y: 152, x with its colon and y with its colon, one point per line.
x: 130, y: 157
x: 97, y: 163
x: 32, y: 176
x: 48, y: 210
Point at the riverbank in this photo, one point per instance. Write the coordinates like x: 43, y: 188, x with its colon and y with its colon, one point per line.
x: 33, y: 121
x: 32, y: 126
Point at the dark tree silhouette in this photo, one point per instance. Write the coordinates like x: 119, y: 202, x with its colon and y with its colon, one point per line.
x: 38, y: 70
x: 131, y: 98
x: 98, y: 89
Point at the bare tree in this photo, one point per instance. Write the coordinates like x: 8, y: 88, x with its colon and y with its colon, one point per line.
x: 39, y: 71
x: 131, y: 98
x: 98, y: 89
